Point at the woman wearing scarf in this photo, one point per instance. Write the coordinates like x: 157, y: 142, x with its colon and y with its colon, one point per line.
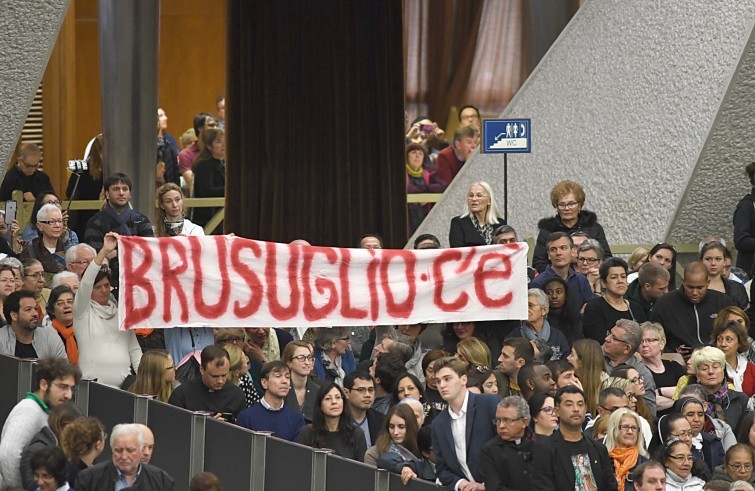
x: 626, y: 445
x: 676, y: 458
x: 333, y: 358
x: 420, y: 179
x: 538, y: 327
x: 60, y: 317
x: 709, y: 366
x: 476, y: 225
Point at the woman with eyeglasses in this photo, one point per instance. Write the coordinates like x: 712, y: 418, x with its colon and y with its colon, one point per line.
x: 568, y: 199
x: 481, y: 380
x: 49, y: 247
x: 300, y: 360
x: 636, y: 388
x: 601, y: 313
x: 332, y: 426
x: 731, y: 338
x: 31, y: 231
x: 706, y: 446
x: 333, y: 357
x: 626, y: 445
x: 666, y: 373
x: 476, y: 225
x: 156, y: 376
x: 712, y: 255
x: 724, y: 403
x: 676, y: 458
x: 738, y: 466
x: 543, y: 416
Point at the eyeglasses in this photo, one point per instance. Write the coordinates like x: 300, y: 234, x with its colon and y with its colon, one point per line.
x: 588, y: 260
x: 609, y: 333
x: 650, y: 340
x: 632, y: 428
x: 52, y: 202
x: 362, y: 390
x: 637, y: 379
x: 547, y: 409
x: 61, y: 303
x: 567, y: 205
x: 28, y: 165
x: 505, y: 421
x: 682, y: 458
x: 681, y: 434
x: 85, y: 262
x: 739, y: 467
x: 303, y: 358
x: 37, y: 275
x: 58, y: 221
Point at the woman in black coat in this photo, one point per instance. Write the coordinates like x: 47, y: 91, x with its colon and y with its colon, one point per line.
x: 209, y: 173
x: 475, y: 227
x: 744, y: 225
x: 567, y: 198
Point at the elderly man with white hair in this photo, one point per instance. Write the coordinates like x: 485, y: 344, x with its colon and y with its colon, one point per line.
x: 78, y: 258
x: 537, y: 326
x: 67, y: 278
x: 126, y: 469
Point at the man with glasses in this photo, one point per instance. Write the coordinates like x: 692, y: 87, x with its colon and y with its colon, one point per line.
x: 271, y: 413
x: 359, y: 388
x: 609, y: 400
x: 567, y: 460
x: 620, y: 345
x: 25, y: 176
x: 24, y: 336
x: 506, y: 461
x: 78, y: 258
x: 57, y: 380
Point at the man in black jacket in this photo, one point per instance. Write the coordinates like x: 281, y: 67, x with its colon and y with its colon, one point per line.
x: 568, y: 460
x: 117, y: 216
x: 687, y: 314
x: 359, y: 388
x: 25, y: 175
x: 506, y: 460
x: 125, y: 470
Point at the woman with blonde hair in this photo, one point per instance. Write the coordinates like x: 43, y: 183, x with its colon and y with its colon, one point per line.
x: 238, y: 373
x: 475, y: 226
x: 473, y: 352
x: 170, y: 219
x: 666, y: 373
x: 156, y: 376
x: 626, y: 445
x: 587, y: 358
x: 637, y: 258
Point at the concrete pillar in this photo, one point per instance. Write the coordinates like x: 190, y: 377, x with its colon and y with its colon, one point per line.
x: 129, y: 38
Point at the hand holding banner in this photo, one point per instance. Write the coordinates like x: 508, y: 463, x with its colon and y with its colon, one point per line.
x: 227, y: 281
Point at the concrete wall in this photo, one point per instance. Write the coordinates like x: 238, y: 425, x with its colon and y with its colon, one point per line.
x: 28, y: 30
x: 649, y: 105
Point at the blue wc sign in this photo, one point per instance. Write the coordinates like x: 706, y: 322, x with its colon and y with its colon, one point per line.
x: 506, y: 136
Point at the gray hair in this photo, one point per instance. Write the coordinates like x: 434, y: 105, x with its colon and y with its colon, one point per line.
x: 13, y: 263
x: 522, y: 408
x: 542, y: 299
x: 45, y: 211
x: 741, y: 486
x: 591, y: 245
x: 72, y: 253
x: 412, y: 402
x: 505, y: 229
x: 326, y: 336
x: 694, y: 390
x: 127, y: 429
x: 57, y: 280
x: 633, y: 333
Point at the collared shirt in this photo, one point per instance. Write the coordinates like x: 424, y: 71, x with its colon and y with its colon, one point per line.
x: 267, y: 405
x: 122, y: 482
x: 697, y: 441
x: 459, y: 432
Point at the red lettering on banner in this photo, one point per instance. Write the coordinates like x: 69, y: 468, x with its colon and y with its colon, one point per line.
x: 461, y: 301
x: 372, y: 267
x: 401, y: 310
x: 481, y: 276
x: 271, y: 267
x: 321, y: 285
x: 137, y: 278
x: 256, y: 291
x: 219, y: 308
x: 170, y: 279
x: 347, y: 310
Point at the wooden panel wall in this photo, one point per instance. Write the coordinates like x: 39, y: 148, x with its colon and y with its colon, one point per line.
x: 191, y: 75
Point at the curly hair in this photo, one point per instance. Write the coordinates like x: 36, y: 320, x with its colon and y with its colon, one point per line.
x: 80, y: 435
x: 563, y: 188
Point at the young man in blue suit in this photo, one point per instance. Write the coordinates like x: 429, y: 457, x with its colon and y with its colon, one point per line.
x: 462, y: 429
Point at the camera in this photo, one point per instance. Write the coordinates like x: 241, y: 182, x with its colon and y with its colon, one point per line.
x: 77, y: 165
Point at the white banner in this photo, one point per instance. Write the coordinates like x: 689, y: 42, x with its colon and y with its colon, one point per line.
x: 235, y: 282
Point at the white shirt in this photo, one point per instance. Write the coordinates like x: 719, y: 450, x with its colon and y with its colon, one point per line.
x: 459, y: 432
x: 737, y: 376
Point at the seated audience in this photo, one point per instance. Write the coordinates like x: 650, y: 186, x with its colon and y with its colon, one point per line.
x: 452, y: 158
x: 454, y: 333
x: 588, y: 260
x: 649, y: 476
x: 156, y: 376
x: 635, y: 389
x: 25, y: 176
x: 7, y: 286
x: 665, y: 373
x: 559, y: 247
x: 24, y: 337
x: 212, y: 391
x: 543, y: 416
x: 676, y: 458
x: 50, y: 244
x: 271, y: 414
x: 705, y: 446
x: 476, y: 225
x: 534, y: 378
x: 431, y: 382
x: 637, y: 259
x: 709, y: 366
x: 712, y: 255
x: 567, y: 198
x: 738, y: 466
x: 587, y: 359
x: 48, y: 466
x: 300, y: 359
x: 332, y: 426
x: 426, y: 241
x: 78, y: 258
x: 564, y: 309
x: 712, y: 425
x: 240, y: 376
x: 386, y: 370
x: 473, y: 353
x: 625, y: 445
x: 398, y: 449
x: 333, y: 358
x: 651, y: 284
x: 537, y: 326
x: 516, y: 353
x: 34, y: 281
x: 205, y: 481
x: 731, y: 338
x: 106, y: 353
x: 60, y: 318
x: 482, y: 380
x: 359, y: 388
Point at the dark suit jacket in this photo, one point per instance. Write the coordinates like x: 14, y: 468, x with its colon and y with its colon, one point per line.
x: 464, y: 234
x: 554, y: 467
x: 374, y: 423
x: 102, y: 477
x: 479, y: 428
x: 506, y: 466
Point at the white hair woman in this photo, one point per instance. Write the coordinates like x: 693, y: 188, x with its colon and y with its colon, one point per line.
x: 333, y: 358
x: 709, y: 367
x: 475, y: 226
x: 49, y: 247
x: 537, y: 325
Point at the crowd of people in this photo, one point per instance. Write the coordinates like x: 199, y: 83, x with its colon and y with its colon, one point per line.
x: 617, y: 379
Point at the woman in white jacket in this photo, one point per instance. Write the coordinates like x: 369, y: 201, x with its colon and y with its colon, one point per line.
x: 676, y: 458
x: 105, y: 352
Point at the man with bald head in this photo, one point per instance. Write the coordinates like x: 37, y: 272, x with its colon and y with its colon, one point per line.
x: 687, y: 314
x: 149, y: 443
